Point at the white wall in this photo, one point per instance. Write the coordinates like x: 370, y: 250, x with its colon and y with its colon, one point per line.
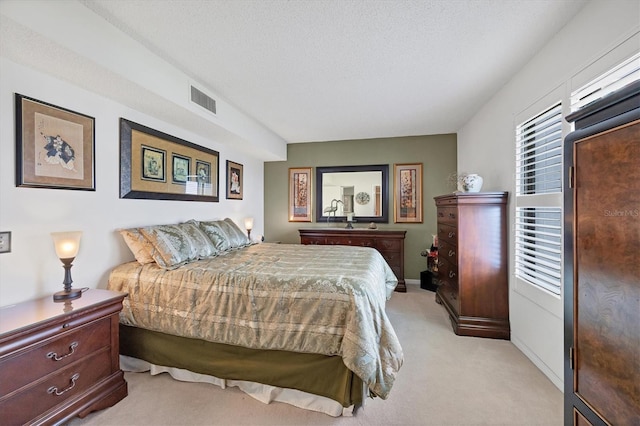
x: 486, y: 145
x: 32, y: 269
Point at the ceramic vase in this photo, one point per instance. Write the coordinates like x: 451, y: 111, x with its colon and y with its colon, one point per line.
x: 471, y: 183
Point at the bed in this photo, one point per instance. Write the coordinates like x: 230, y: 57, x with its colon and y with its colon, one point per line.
x: 300, y: 324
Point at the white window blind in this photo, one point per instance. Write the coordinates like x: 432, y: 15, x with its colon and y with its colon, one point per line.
x: 538, y: 216
x: 539, y: 153
x: 612, y: 80
x: 538, y: 247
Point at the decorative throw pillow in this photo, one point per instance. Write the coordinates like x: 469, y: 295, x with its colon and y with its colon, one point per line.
x: 202, y: 244
x: 216, y: 233
x: 173, y: 247
x: 141, y: 248
x: 237, y: 237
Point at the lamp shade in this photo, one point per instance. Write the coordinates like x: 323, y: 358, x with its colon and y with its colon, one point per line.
x: 248, y: 223
x: 67, y: 243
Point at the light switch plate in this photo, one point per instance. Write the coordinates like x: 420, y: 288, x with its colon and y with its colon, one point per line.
x: 5, y: 242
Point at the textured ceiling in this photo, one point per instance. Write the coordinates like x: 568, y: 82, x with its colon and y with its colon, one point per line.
x: 352, y: 69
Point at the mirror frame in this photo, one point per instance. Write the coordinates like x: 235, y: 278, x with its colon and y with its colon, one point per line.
x: 384, y: 168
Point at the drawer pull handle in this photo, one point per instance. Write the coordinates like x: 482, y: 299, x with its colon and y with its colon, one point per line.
x: 452, y: 253
x: 54, y: 356
x: 55, y: 390
x: 453, y: 296
x: 452, y: 274
x: 452, y: 234
x: 452, y: 216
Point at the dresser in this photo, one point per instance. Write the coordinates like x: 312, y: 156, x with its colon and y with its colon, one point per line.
x: 59, y: 360
x: 390, y: 243
x: 472, y: 262
x: 602, y: 262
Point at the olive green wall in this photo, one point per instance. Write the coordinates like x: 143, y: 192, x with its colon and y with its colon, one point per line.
x: 437, y: 153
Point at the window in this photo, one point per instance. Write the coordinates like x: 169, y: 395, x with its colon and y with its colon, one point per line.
x: 539, y: 247
x: 539, y: 153
x: 617, y: 77
x: 538, y: 217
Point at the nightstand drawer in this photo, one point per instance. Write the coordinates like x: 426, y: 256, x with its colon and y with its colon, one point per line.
x: 52, y: 354
x: 25, y: 404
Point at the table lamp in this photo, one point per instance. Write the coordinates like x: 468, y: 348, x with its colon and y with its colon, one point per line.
x: 67, y: 245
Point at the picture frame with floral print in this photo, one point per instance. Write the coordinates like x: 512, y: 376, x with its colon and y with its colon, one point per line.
x: 407, y: 199
x: 300, y: 184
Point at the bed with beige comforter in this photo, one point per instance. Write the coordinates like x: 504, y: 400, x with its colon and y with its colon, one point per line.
x: 310, y: 299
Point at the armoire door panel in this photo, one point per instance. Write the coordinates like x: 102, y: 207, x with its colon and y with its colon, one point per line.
x: 607, y: 273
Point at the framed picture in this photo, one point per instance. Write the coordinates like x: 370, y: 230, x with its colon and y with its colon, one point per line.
x: 203, y: 170
x: 407, y: 191
x: 181, y: 167
x: 55, y: 147
x: 235, y: 181
x: 154, y: 165
x: 300, y: 194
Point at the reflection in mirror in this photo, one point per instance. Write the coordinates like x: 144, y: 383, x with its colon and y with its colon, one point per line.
x: 352, y: 192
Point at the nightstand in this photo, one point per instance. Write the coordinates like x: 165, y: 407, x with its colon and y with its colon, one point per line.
x: 59, y: 360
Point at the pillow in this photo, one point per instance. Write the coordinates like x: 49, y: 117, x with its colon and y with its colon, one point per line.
x: 203, y: 246
x: 172, y: 245
x: 216, y: 234
x: 141, y: 248
x: 237, y: 237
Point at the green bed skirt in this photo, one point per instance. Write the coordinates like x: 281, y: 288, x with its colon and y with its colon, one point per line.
x: 313, y: 373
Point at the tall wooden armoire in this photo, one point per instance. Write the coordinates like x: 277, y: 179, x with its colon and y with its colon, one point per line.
x: 602, y: 262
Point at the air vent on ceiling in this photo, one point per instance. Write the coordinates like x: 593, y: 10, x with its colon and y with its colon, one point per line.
x: 203, y: 100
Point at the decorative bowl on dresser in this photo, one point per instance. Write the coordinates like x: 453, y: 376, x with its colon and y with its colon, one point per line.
x: 59, y: 360
x: 472, y: 262
x: 390, y: 243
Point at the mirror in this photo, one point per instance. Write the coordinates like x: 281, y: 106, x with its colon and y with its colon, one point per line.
x: 360, y: 192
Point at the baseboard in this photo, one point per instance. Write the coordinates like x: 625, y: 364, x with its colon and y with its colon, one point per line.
x: 412, y: 281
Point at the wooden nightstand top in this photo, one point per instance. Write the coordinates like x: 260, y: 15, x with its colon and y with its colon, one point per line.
x: 30, y: 313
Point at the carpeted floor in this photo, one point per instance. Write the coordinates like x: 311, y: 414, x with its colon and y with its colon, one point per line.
x: 445, y: 380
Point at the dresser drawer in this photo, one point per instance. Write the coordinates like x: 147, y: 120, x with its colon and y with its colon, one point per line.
x: 448, y: 215
x: 22, y: 367
x: 313, y: 240
x: 354, y: 241
x: 447, y: 233
x: 397, y: 271
x: 393, y: 259
x: 448, y: 277
x: 389, y: 245
x: 448, y: 252
x: 55, y: 389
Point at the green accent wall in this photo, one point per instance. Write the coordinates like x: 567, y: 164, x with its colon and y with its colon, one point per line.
x: 437, y: 153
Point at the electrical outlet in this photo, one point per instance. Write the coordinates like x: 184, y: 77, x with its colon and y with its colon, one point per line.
x: 5, y: 242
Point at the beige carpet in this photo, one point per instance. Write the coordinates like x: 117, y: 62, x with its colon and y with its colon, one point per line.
x: 445, y: 380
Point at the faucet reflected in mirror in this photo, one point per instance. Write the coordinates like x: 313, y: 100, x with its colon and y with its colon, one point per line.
x: 332, y: 208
